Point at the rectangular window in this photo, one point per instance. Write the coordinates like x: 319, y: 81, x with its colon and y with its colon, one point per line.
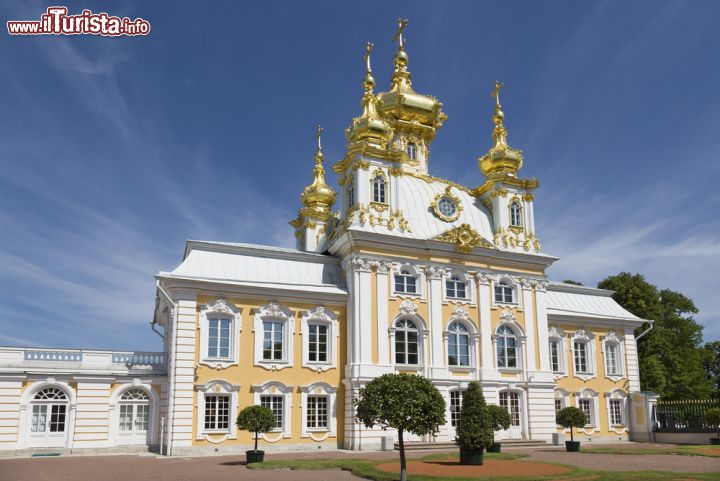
x: 273, y: 340
x: 141, y: 417
x: 57, y: 418
x: 511, y: 402
x: 455, y: 404
x: 558, y: 405
x: 405, y: 283
x: 317, y: 412
x: 504, y: 294
x: 217, y: 412
x: 581, y: 358
x: 126, y: 417
x: 611, y: 359
x: 455, y: 289
x: 406, y: 347
x: 318, y: 343
x: 586, y: 407
x: 39, y: 419
x: 554, y: 356
x: 219, y: 338
x: 275, y: 403
x: 616, y: 412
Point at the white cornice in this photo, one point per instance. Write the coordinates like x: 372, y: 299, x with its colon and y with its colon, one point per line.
x: 258, y: 250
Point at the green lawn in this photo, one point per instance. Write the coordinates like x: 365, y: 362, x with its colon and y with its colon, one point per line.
x: 702, y: 450
x: 367, y: 469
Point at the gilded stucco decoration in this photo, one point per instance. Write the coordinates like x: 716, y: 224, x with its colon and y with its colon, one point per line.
x: 465, y: 238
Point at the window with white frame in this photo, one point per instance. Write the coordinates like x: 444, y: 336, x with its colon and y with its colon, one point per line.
x: 510, y: 400
x: 585, y: 406
x: 455, y: 405
x: 515, y: 214
x: 458, y: 344
x: 274, y: 330
x: 217, y: 412
x: 616, y: 407
x: 616, y: 418
x: 611, y: 359
x: 583, y: 354
x: 134, y: 410
x: 556, y: 350
x: 318, y: 402
x: 412, y: 150
x: 276, y: 404
x: 318, y: 342
x: 317, y: 411
x: 379, y: 185
x: 455, y: 288
x: 220, y: 326
x: 506, y: 348
x: 558, y: 405
x: 406, y: 342
x: 554, y: 355
x: 561, y: 399
x: 277, y: 397
x: 613, y: 348
x: 504, y: 292
x: 319, y: 330
x: 582, y: 363
x: 587, y: 402
x: 405, y: 282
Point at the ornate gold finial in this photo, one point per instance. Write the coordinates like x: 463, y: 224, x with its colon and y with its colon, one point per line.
x: 401, y: 24
x: 501, y: 158
x: 318, y: 134
x: 368, y: 50
x: 318, y: 197
x: 496, y: 92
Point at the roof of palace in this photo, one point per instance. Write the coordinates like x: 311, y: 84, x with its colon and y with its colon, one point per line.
x: 568, y: 300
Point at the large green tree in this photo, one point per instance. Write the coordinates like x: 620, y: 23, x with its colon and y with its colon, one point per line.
x: 712, y: 365
x: 405, y: 402
x: 670, y: 356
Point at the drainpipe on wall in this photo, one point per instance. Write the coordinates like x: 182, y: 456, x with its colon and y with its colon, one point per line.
x: 652, y: 324
x: 171, y: 372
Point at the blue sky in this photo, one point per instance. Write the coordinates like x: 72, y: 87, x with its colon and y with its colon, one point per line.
x: 114, y: 151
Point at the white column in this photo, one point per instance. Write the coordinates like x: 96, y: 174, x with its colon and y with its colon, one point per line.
x: 484, y: 302
x: 542, y: 323
x: 10, y: 387
x: 527, y: 301
x: 632, y: 367
x: 382, y: 312
x: 436, y: 321
x: 364, y: 294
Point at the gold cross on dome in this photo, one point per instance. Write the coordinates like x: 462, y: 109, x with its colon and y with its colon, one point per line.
x: 318, y: 134
x: 402, y: 23
x: 496, y: 91
x: 368, y: 51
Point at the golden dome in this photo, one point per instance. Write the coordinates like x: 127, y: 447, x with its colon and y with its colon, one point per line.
x: 318, y: 197
x: 501, y: 159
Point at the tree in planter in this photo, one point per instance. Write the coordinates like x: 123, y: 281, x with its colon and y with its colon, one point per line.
x: 475, y: 429
x: 571, y: 417
x: 256, y: 419
x: 499, y: 420
x: 404, y: 402
x: 712, y: 417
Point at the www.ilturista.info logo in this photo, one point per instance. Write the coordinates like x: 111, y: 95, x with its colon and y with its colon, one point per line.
x: 56, y: 21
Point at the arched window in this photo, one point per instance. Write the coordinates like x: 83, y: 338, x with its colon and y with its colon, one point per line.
x: 406, y: 342
x: 412, y: 150
x: 405, y: 282
x: 455, y: 288
x: 379, y: 189
x: 515, y: 214
x: 458, y: 345
x: 50, y: 394
x: 504, y: 292
x: 134, y: 410
x: 49, y: 412
x: 506, y: 345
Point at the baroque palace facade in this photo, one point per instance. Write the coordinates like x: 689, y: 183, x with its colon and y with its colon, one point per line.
x: 412, y: 273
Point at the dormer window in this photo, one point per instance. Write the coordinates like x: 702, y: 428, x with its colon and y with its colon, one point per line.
x: 504, y: 292
x: 515, y: 214
x: 412, y: 150
x: 455, y: 288
x: 379, y: 189
x: 405, y: 282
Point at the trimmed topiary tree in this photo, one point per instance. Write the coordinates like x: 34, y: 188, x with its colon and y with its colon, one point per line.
x: 571, y: 417
x: 712, y: 417
x: 499, y: 420
x: 256, y: 419
x: 405, y: 402
x: 474, y: 430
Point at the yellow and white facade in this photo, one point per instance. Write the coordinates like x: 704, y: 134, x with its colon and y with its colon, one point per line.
x: 408, y: 273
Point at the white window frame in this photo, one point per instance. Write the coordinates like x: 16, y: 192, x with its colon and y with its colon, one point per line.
x: 460, y: 316
x: 513, y: 284
x: 555, y: 334
x: 275, y: 388
x: 469, y: 287
x: 274, y: 312
x: 379, y: 174
x: 612, y: 339
x: 515, y: 201
x: 562, y: 396
x: 508, y: 320
x: 460, y: 391
x: 212, y: 388
x: 408, y: 310
x: 220, y: 308
x: 419, y: 282
x: 622, y: 397
x: 324, y: 317
x: 414, y: 148
x: 153, y: 424
x: 592, y: 396
x: 319, y: 389
x: 588, y: 338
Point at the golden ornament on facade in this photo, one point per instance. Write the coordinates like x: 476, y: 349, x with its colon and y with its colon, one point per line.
x: 465, y: 238
x: 446, y: 206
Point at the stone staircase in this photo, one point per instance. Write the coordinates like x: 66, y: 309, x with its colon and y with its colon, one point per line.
x: 507, y: 443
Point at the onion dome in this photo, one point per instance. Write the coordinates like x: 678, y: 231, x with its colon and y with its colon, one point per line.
x: 369, y: 126
x: 501, y: 159
x: 318, y: 197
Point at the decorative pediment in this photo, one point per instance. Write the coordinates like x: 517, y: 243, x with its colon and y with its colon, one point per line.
x: 582, y: 334
x: 221, y: 305
x: 612, y: 337
x: 408, y: 307
x: 460, y: 313
x: 508, y: 316
x: 273, y: 309
x: 465, y: 238
x: 321, y: 314
x: 556, y: 332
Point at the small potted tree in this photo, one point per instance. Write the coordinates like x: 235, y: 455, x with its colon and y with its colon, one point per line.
x: 712, y: 417
x: 499, y: 420
x: 257, y: 420
x: 571, y: 417
x: 474, y: 430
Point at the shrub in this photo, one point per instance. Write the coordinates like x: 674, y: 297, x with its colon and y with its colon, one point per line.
x: 712, y: 417
x: 571, y: 417
x: 256, y: 419
x: 475, y: 429
x: 499, y: 418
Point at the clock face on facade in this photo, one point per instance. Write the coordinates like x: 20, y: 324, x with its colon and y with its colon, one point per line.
x: 447, y: 207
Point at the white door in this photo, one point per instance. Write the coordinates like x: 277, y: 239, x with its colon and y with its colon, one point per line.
x: 455, y: 404
x: 48, y: 425
x: 511, y: 401
x: 133, y: 417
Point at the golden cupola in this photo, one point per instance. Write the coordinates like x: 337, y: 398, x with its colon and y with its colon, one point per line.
x: 318, y: 198
x: 501, y: 159
x: 404, y: 108
x: 369, y: 127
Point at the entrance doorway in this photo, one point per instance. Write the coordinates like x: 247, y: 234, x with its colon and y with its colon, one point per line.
x: 510, y: 400
x: 49, y: 421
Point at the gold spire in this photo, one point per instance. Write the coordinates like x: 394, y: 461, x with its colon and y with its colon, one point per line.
x: 401, y: 76
x: 501, y: 158
x: 318, y: 197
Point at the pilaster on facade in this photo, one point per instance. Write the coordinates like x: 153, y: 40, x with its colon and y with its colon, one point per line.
x: 542, y: 323
x: 487, y: 369
x: 527, y: 301
x: 382, y: 294
x: 631, y: 361
x: 435, y: 300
